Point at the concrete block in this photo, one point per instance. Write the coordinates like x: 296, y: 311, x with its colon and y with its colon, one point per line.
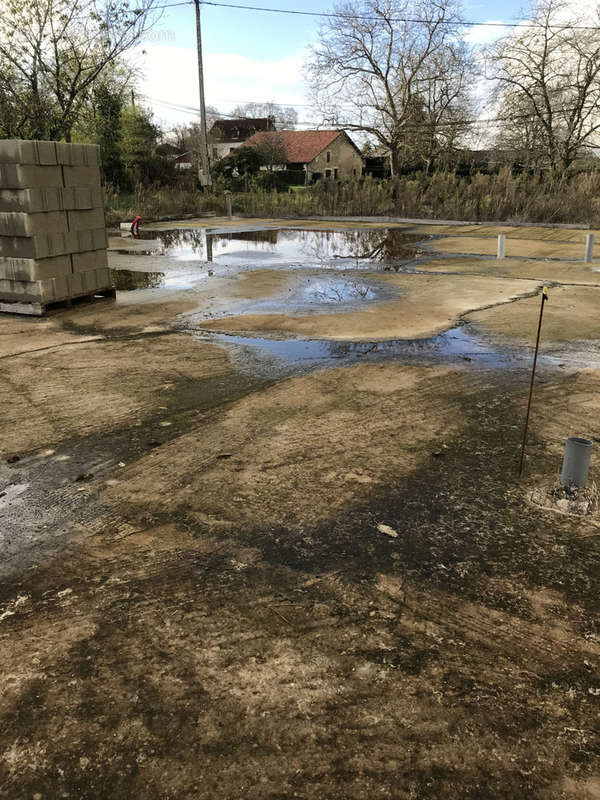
x: 26, y: 176
x: 81, y: 176
x: 93, y: 155
x: 93, y: 259
x: 86, y: 220
x: 34, y: 201
x: 22, y: 224
x: 35, y: 269
x: 76, y: 284
x: 31, y: 200
x: 104, y: 278
x: 91, y: 282
x: 47, y: 291
x: 78, y: 155
x: 19, y: 151
x: 70, y: 154
x: 94, y: 280
x: 85, y: 242
x: 82, y: 197
x: 99, y: 239
x: 44, y: 245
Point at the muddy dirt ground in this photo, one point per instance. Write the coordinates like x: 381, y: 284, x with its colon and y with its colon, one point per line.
x: 302, y: 564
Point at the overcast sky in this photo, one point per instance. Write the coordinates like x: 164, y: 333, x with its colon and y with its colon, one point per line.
x: 250, y: 55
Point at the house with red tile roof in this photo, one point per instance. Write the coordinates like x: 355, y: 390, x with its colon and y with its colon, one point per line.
x: 319, y: 154
x: 228, y: 134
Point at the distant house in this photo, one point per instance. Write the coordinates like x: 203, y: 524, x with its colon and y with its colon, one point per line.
x: 227, y: 134
x: 319, y: 154
x: 184, y: 161
x: 378, y: 162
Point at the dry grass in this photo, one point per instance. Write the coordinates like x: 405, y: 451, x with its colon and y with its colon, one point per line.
x: 502, y: 196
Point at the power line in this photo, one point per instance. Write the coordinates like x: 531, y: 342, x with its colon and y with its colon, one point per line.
x: 520, y: 22
x: 344, y: 125
x: 173, y: 5
x: 523, y: 23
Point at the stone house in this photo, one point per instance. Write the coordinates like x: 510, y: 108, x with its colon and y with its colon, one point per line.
x: 318, y: 154
x: 226, y: 135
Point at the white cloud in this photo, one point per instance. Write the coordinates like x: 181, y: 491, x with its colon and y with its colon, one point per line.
x: 484, y: 34
x: 171, y: 76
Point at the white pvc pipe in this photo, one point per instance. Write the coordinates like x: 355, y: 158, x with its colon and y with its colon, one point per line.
x: 501, y: 245
x: 589, y: 248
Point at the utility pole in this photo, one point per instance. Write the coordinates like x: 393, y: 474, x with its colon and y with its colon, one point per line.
x: 204, y: 169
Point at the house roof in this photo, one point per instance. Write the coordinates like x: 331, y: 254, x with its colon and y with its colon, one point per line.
x: 233, y: 130
x: 300, y: 146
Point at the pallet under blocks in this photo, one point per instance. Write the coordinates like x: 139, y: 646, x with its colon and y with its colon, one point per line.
x: 52, y: 229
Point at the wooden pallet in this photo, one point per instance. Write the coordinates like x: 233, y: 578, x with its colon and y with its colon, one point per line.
x: 39, y: 309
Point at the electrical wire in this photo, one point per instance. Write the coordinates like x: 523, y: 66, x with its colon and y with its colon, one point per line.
x: 345, y: 125
x: 523, y: 23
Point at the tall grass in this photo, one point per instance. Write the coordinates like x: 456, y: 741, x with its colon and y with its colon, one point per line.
x: 444, y: 195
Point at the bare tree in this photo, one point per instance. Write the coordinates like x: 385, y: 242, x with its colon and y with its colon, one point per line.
x: 397, y: 70
x: 272, y: 150
x: 548, y: 82
x: 519, y: 136
x: 286, y: 117
x: 53, y: 51
x: 188, y: 137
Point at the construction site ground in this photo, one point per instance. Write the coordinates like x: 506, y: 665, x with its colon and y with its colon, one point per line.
x: 263, y: 534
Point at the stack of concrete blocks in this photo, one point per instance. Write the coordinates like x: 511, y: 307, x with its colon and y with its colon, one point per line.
x: 52, y: 229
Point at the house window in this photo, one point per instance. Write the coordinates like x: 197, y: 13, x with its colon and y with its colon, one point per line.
x: 328, y: 157
x: 335, y: 173
x: 328, y: 173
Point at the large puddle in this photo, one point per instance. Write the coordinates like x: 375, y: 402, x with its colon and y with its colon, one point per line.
x: 458, y: 345
x: 286, y: 247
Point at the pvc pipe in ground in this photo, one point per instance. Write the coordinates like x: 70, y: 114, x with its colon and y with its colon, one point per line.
x: 501, y: 245
x: 576, y: 463
x: 589, y: 248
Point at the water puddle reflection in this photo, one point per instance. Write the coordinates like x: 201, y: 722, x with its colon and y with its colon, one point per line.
x: 457, y: 345
x: 339, y: 249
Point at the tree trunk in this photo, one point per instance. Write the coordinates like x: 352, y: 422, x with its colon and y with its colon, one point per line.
x: 394, y: 162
